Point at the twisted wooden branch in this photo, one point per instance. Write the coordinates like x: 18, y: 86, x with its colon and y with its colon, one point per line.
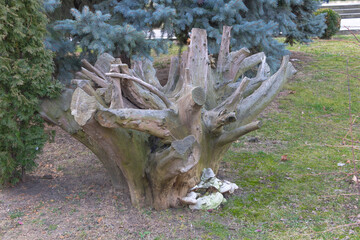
x: 152, y: 89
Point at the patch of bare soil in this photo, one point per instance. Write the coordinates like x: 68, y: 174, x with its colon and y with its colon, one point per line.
x: 300, y: 59
x: 255, y: 144
x: 69, y: 196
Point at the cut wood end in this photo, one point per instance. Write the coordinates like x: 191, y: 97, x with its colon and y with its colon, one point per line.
x: 83, y: 106
x: 245, y: 50
x: 118, y: 61
x: 253, y: 126
x: 197, y: 31
x: 199, y: 96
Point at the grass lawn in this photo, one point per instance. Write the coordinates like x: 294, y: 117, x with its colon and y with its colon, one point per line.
x: 304, y: 197
x: 311, y: 195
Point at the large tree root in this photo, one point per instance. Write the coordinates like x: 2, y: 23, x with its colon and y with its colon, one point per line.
x: 154, y: 141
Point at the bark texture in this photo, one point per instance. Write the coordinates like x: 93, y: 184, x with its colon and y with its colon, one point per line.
x: 154, y: 141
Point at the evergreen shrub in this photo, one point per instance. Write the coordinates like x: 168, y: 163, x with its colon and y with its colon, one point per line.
x: 25, y: 76
x: 332, y: 21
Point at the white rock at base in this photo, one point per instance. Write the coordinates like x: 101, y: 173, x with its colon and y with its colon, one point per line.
x: 210, y: 201
x: 227, y: 186
x: 213, y: 200
x: 213, y: 182
x: 190, y: 198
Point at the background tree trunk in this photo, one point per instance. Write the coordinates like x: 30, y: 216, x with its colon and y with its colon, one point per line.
x: 154, y: 141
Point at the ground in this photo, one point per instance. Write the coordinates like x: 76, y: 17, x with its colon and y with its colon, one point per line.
x: 70, y: 196
x: 305, y: 195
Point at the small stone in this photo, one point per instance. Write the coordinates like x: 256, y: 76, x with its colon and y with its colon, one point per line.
x: 211, y: 201
x: 190, y: 198
x: 47, y: 176
x: 227, y: 186
x: 213, y: 188
x: 211, y: 182
x: 253, y: 140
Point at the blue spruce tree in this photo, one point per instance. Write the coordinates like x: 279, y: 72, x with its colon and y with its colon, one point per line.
x: 93, y: 32
x: 119, y: 27
x: 255, y: 22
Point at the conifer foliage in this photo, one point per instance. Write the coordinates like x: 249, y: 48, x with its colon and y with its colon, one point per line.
x: 25, y: 76
x: 94, y: 33
x: 255, y: 23
x: 333, y: 21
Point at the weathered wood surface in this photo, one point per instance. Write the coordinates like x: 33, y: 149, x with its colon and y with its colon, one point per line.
x: 155, y: 140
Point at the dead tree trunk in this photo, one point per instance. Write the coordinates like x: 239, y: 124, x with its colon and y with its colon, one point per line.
x: 154, y: 141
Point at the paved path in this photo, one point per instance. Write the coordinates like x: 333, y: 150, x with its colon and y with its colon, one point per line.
x: 351, y: 23
x: 334, y: 3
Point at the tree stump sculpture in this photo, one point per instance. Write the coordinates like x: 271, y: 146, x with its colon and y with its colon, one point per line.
x: 155, y: 140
